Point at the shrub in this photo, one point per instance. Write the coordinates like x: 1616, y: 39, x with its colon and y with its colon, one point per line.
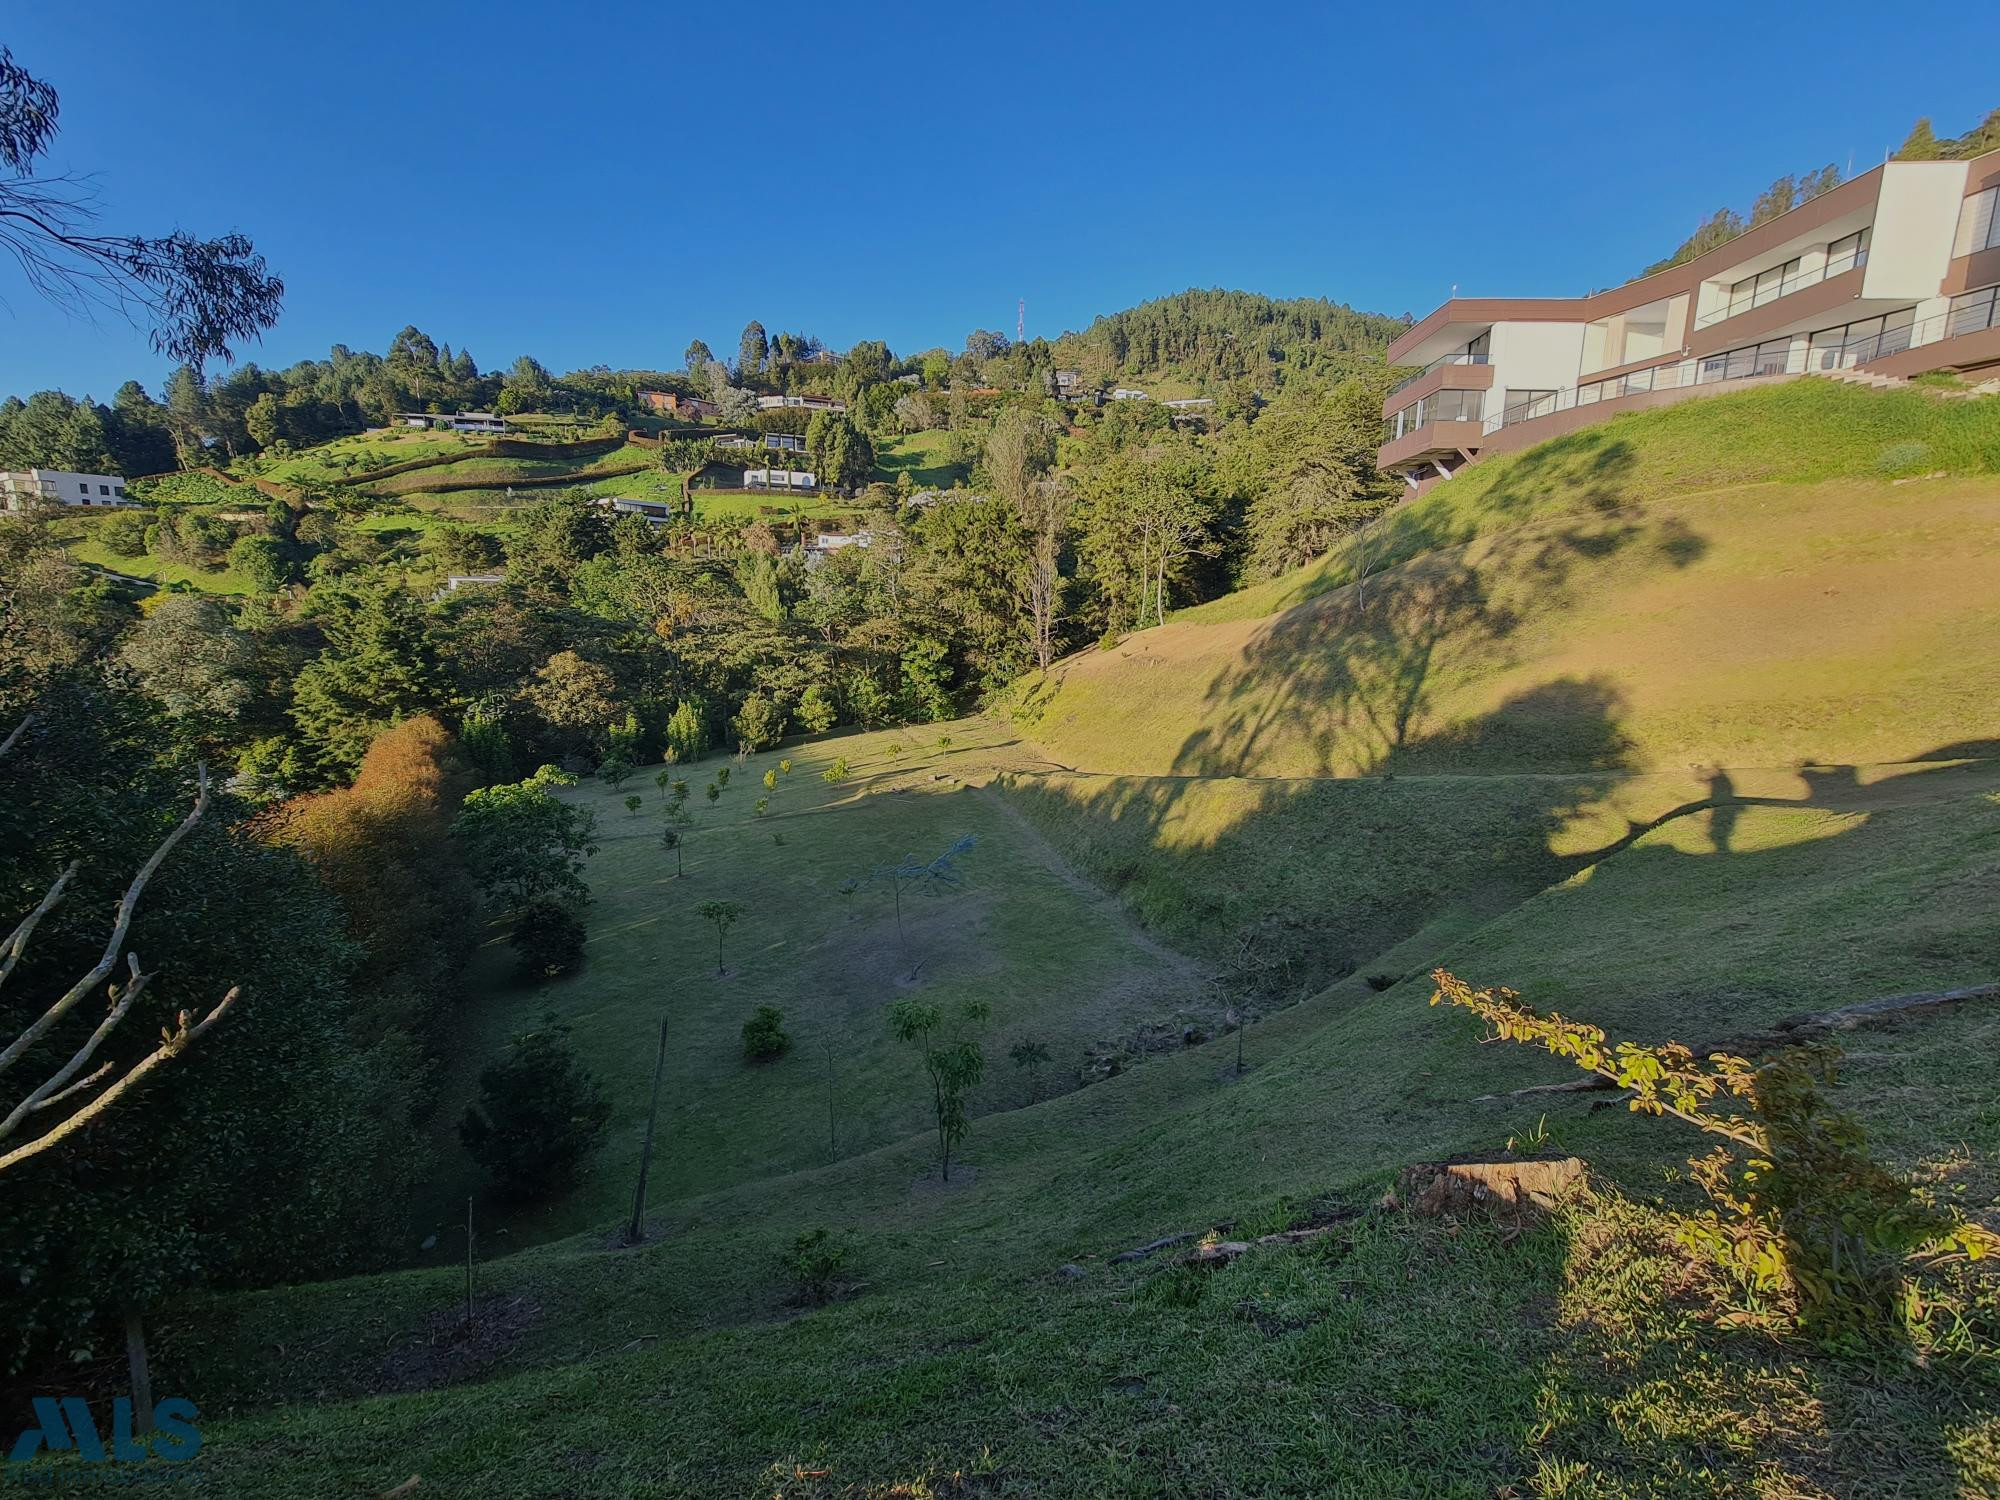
x: 614, y: 772
x: 764, y: 1035
x: 816, y: 712
x: 687, y: 735
x: 123, y: 533
x: 814, y: 1263
x: 262, y: 560
x: 539, y: 1117
x: 547, y: 941
x: 836, y: 772
x: 760, y: 723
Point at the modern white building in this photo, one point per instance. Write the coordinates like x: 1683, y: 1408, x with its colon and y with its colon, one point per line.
x: 778, y: 479
x: 21, y: 489
x: 1894, y: 272
x: 464, y: 421
x: 800, y: 403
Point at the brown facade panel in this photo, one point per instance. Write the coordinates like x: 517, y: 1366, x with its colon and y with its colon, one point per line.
x: 1432, y: 438
x: 1749, y: 326
x: 1969, y: 272
x: 1969, y: 351
x: 1443, y: 378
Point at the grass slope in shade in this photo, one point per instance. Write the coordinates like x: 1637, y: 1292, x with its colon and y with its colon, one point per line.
x: 1568, y: 609
x: 1399, y: 1358
x: 1071, y: 973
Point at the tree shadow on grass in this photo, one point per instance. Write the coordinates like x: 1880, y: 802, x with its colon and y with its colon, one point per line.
x: 1432, y: 593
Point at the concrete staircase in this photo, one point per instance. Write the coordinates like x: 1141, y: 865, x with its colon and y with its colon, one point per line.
x: 1876, y: 381
x: 1862, y: 377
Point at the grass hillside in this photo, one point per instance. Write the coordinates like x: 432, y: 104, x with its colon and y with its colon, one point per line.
x: 1409, y: 1359
x: 1073, y: 974
x: 1710, y: 584
x: 1681, y: 725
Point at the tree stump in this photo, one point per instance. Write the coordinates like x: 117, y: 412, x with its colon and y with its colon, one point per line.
x: 1509, y: 1187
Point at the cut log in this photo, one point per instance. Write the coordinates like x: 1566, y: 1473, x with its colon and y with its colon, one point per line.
x: 1145, y: 1250
x: 1509, y: 1187
x: 1222, y: 1252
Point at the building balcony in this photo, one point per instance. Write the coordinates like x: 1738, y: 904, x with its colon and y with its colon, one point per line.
x: 1432, y: 440
x: 1741, y: 322
x: 1455, y: 372
x: 1448, y: 361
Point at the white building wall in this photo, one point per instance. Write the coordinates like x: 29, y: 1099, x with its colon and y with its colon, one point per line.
x: 1916, y: 219
x: 1534, y: 357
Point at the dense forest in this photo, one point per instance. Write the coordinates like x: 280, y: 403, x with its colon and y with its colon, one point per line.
x: 1215, y: 337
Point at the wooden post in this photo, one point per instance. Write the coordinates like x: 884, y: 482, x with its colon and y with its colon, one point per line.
x: 142, y: 1377
x: 832, y: 1148
x: 468, y: 1262
x: 636, y: 1230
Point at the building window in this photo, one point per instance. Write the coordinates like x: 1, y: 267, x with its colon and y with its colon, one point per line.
x: 1765, y: 286
x: 1521, y: 405
x: 1971, y: 312
x: 104, y: 489
x: 1846, y: 254
x: 1978, y: 223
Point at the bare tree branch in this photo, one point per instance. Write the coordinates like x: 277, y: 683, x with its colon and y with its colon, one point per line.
x: 64, y: 1083
x: 15, y: 734
x: 124, y: 1000
x: 17, y: 942
x: 126, y: 907
x: 168, y: 1049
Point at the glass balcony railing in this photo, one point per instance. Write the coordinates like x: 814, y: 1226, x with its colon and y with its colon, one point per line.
x: 1763, y: 296
x: 1460, y: 358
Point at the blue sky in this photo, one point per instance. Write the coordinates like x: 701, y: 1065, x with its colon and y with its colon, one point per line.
x: 600, y: 184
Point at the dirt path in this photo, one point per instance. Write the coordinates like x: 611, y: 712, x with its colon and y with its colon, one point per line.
x: 1183, y: 967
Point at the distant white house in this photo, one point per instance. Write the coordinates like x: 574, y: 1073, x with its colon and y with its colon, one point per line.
x: 1126, y: 393
x: 456, y: 581
x: 804, y: 403
x: 784, y: 442
x: 779, y: 479
x: 659, y: 512
x: 1190, y: 403
x: 823, y: 546
x: 21, y: 489
x: 464, y: 421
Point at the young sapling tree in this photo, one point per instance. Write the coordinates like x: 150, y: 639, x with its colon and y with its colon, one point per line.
x: 722, y: 915
x: 952, y: 1061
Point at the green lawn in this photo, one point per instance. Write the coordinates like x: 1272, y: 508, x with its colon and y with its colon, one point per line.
x: 1595, y: 604
x: 1545, y: 672
x: 1012, y: 936
x: 1396, y: 1358
x: 208, y: 580
x: 921, y: 455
